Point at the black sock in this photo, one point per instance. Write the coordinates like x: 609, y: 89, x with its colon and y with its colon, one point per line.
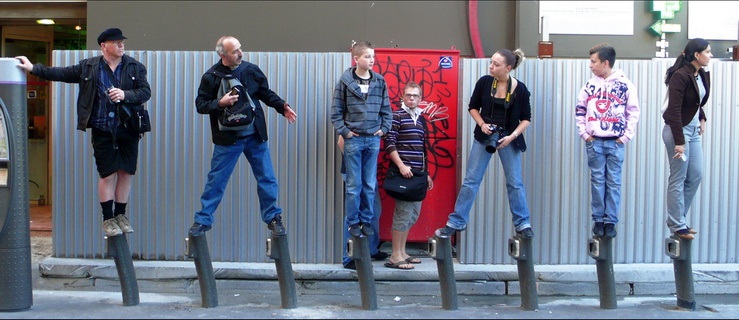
x: 107, y: 209
x: 120, y: 208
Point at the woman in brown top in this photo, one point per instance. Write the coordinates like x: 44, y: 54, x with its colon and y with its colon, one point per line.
x: 688, y: 88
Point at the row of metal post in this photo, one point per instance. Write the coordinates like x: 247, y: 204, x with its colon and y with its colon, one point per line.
x: 439, y: 248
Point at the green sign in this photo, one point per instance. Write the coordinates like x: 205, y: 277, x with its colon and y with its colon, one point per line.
x: 666, y: 11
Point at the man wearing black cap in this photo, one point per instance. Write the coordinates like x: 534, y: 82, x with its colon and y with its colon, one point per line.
x: 107, y: 83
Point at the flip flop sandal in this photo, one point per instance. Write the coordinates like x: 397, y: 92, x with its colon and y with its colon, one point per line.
x: 398, y: 264
x: 413, y: 260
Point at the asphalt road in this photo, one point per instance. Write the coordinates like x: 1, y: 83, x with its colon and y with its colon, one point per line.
x: 336, y: 305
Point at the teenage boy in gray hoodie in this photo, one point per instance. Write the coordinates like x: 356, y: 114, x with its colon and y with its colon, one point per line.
x: 361, y: 114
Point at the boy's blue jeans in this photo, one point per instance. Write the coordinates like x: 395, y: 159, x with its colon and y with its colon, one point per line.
x: 222, y: 165
x: 477, y: 163
x: 360, y: 159
x: 605, y: 159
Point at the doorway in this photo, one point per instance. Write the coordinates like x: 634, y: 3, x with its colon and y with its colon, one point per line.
x: 34, y: 43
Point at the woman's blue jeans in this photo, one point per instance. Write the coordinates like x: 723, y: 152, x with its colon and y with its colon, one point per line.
x: 477, y: 164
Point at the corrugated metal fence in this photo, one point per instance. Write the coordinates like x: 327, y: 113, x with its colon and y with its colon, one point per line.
x: 175, y: 159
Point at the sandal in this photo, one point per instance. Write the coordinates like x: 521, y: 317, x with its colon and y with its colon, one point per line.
x: 403, y: 265
x: 413, y: 260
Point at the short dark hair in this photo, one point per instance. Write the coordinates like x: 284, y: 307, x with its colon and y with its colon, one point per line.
x: 605, y: 53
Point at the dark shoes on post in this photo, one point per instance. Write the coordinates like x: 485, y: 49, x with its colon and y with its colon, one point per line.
x: 604, y: 230
x: 526, y: 233
x: 445, y: 232
x: 609, y: 230
x: 359, y: 229
x: 598, y: 229
x: 276, y: 226
x: 198, y: 229
x: 367, y: 230
x: 685, y: 234
x: 354, y: 230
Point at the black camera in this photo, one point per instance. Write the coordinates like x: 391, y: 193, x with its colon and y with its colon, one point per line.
x: 493, y: 145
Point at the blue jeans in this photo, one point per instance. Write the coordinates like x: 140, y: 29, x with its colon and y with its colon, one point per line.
x: 477, y: 163
x: 360, y: 159
x: 374, y: 240
x: 685, y: 176
x: 605, y: 159
x: 222, y: 165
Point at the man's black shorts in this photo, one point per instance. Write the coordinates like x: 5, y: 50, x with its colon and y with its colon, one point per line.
x: 111, y: 156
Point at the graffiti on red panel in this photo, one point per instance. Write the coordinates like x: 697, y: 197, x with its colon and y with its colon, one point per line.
x: 439, y: 90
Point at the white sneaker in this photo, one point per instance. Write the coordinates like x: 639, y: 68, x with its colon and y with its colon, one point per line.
x: 123, y: 223
x: 111, y: 228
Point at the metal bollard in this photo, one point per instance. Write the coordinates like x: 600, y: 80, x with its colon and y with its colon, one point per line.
x: 440, y: 249
x: 679, y: 250
x: 601, y: 249
x: 520, y: 249
x: 277, y: 249
x: 358, y: 249
x: 118, y: 249
x: 197, y: 249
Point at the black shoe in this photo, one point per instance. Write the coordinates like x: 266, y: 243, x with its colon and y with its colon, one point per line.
x: 445, y: 232
x: 367, y: 230
x: 598, y: 229
x: 379, y: 256
x: 354, y: 230
x: 351, y: 265
x: 198, y: 229
x: 526, y: 233
x: 609, y: 230
x: 276, y: 226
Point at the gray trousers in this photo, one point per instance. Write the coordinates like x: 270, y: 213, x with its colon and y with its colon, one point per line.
x: 685, y: 176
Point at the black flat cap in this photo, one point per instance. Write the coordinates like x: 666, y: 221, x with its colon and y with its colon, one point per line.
x: 111, y: 34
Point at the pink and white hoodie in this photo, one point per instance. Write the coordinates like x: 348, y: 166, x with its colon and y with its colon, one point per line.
x: 607, y: 108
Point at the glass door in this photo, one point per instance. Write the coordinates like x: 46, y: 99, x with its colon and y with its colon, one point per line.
x: 37, y: 94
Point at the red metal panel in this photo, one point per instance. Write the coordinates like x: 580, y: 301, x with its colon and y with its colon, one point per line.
x: 437, y: 72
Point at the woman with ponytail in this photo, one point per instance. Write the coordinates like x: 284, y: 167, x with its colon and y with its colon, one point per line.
x: 500, y: 105
x: 688, y: 89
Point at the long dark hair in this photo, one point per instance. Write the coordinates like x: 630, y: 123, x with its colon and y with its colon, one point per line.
x: 687, y: 56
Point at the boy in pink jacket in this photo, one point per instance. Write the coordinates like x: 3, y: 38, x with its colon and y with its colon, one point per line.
x: 606, y: 115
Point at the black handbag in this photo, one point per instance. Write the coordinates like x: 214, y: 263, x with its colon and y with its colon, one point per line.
x: 406, y: 189
x: 135, y: 119
x: 240, y: 114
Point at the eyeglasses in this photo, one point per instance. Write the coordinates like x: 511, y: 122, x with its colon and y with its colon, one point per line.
x: 412, y: 95
x: 117, y: 43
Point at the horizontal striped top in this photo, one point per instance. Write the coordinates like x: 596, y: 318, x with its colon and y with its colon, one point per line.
x: 407, y: 138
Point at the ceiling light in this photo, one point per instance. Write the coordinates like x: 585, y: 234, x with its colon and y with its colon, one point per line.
x: 45, y: 21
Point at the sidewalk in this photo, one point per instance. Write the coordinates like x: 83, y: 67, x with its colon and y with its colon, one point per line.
x: 562, y: 280
x: 89, y: 289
